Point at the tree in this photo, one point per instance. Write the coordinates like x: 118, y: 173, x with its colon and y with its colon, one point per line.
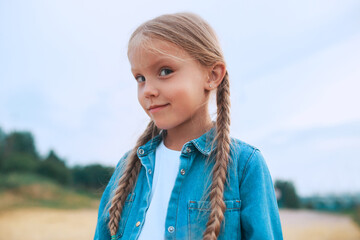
x: 55, y: 168
x: 287, y: 194
x: 2, y: 146
x: 17, y: 152
x: 20, y: 142
x: 93, y: 176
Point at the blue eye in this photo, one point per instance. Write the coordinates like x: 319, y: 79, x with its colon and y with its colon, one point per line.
x: 165, y: 72
x: 140, y: 78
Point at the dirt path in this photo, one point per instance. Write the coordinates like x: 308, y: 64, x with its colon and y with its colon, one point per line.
x: 310, y: 225
x: 53, y: 224
x: 47, y: 224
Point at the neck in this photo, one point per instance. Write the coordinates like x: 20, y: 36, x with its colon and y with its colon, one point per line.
x: 177, y: 137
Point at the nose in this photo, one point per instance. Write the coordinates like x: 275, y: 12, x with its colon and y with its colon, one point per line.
x: 150, y: 89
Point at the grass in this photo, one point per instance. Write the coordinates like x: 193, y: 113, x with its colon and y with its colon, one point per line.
x: 31, y: 190
x: 354, y: 214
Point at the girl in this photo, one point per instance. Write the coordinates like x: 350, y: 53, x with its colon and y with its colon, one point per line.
x: 186, y: 178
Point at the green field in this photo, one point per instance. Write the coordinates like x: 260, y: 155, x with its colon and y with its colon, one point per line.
x: 31, y: 190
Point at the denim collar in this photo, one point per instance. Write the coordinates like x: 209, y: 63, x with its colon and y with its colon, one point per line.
x: 203, y: 143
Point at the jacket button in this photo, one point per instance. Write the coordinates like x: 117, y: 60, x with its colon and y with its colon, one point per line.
x: 188, y: 150
x: 137, y: 224
x: 182, y: 171
x: 149, y: 171
x: 171, y: 229
x: 141, y: 151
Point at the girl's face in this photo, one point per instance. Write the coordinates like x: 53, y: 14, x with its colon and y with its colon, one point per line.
x: 171, y: 85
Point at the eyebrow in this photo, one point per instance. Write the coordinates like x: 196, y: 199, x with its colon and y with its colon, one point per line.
x: 157, y: 62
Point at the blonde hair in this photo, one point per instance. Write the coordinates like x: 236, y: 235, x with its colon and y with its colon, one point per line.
x: 198, y: 39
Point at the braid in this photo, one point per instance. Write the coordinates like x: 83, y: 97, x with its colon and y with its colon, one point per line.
x: 128, y: 179
x: 222, y: 159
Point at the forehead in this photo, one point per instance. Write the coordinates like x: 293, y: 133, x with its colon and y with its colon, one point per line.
x: 144, y: 54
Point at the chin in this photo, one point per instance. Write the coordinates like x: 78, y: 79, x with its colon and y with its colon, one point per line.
x: 161, y: 126
x: 165, y: 125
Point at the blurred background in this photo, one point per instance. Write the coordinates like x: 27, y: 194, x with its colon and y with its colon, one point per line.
x: 69, y: 109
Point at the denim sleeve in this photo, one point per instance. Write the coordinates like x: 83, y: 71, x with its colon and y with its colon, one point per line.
x: 102, y: 231
x: 259, y: 210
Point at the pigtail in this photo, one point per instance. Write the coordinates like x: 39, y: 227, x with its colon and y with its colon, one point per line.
x: 222, y: 159
x: 128, y: 179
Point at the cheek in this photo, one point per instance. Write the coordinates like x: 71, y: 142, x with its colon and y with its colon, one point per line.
x: 140, y: 98
x: 188, y: 98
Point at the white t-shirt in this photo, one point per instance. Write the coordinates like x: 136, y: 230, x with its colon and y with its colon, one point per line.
x: 167, y: 164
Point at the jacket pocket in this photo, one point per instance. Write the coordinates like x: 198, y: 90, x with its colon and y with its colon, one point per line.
x: 125, y: 214
x: 198, y: 215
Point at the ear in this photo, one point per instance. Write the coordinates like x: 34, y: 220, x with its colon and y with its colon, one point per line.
x: 216, y: 75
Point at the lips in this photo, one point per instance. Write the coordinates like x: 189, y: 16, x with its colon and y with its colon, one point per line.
x: 156, y: 108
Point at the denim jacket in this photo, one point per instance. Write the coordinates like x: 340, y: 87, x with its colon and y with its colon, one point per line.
x: 251, y: 207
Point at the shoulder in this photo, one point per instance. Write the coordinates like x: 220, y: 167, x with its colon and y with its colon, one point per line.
x: 112, y: 184
x: 121, y: 164
x: 245, y: 156
x: 242, y: 150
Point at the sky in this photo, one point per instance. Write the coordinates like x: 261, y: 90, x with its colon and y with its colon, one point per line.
x: 293, y: 66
